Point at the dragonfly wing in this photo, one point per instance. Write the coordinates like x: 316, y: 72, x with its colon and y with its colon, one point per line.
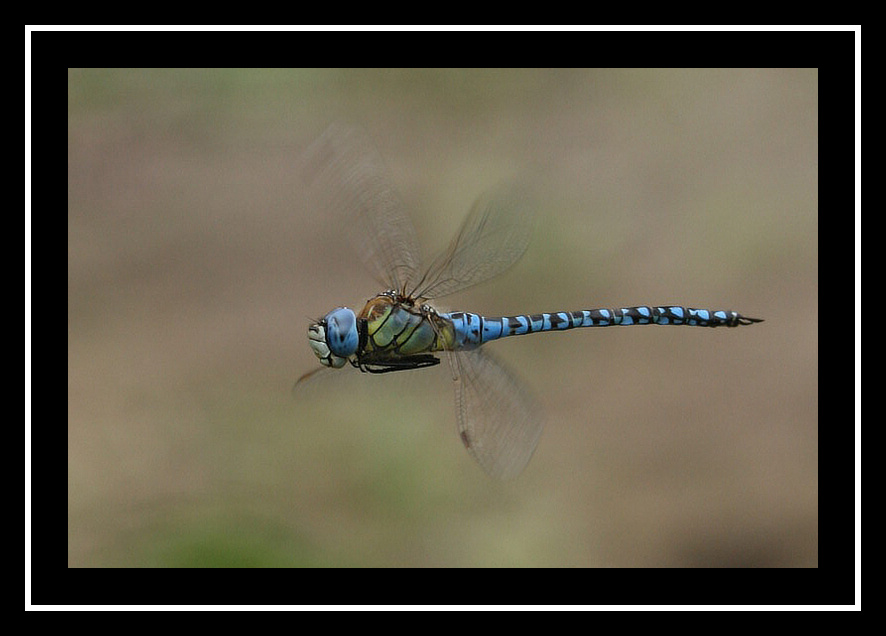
x: 351, y: 184
x: 493, y: 237
x: 498, y: 420
x: 310, y: 376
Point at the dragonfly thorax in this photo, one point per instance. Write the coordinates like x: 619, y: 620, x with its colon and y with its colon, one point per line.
x: 334, y: 338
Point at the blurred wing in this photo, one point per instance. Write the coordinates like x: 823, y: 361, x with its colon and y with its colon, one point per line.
x: 492, y: 238
x: 498, y: 420
x: 351, y: 186
x: 310, y: 376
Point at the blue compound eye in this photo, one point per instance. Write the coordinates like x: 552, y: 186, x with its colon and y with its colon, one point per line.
x: 341, y: 332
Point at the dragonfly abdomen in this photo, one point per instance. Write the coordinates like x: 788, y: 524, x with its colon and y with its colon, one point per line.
x: 473, y: 330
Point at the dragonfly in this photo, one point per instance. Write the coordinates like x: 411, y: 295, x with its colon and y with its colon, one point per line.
x: 399, y: 329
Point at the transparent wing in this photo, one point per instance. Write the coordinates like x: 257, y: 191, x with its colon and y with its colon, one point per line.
x: 309, y: 377
x: 498, y: 420
x: 493, y: 237
x: 351, y: 186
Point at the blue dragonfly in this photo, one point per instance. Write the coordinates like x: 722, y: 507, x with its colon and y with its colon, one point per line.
x: 398, y: 329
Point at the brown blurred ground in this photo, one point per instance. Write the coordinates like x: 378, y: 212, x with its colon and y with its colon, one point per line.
x: 195, y: 267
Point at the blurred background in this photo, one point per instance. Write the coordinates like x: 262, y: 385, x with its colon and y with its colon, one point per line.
x: 195, y: 265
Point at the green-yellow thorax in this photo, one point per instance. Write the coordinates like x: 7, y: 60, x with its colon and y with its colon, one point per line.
x: 401, y: 329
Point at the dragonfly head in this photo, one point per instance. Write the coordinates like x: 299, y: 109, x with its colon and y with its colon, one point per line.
x: 335, y: 338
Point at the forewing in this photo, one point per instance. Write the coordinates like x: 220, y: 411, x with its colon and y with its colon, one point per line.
x: 351, y: 186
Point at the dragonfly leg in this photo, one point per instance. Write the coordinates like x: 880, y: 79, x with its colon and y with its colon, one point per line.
x: 398, y: 364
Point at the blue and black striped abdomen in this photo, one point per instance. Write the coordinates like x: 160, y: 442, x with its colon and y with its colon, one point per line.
x: 473, y: 330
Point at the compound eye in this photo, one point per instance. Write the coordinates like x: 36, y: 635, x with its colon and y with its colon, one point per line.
x: 341, y: 332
